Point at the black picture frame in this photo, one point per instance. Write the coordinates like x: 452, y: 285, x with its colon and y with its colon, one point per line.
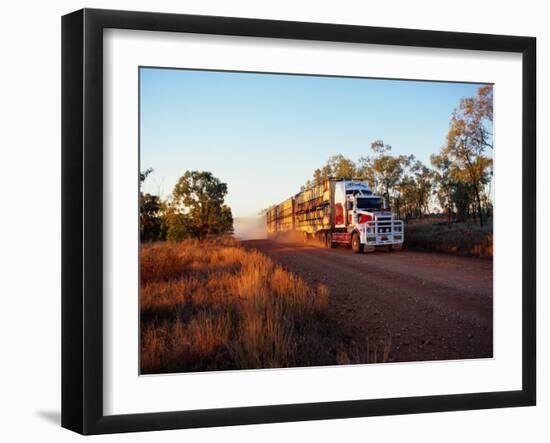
x: 82, y: 218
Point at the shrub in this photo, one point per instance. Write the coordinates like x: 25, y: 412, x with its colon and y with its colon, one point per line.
x: 466, y: 239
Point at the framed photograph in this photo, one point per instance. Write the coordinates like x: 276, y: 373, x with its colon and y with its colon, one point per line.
x: 269, y: 221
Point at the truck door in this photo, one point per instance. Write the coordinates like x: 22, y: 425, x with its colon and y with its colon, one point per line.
x: 349, y: 210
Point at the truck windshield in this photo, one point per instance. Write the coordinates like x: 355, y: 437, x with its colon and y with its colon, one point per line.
x: 369, y: 203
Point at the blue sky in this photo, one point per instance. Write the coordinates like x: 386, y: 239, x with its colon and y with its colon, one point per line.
x: 264, y: 134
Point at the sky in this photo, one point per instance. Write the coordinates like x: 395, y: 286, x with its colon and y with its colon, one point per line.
x: 265, y: 134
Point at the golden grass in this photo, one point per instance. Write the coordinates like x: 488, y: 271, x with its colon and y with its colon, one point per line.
x: 215, y: 305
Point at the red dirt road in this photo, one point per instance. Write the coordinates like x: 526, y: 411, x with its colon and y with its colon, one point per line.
x: 433, y: 306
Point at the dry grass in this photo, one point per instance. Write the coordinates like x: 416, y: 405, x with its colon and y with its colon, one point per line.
x: 214, y: 305
x: 467, y: 239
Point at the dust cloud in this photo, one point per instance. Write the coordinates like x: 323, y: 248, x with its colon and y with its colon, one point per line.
x: 249, y: 228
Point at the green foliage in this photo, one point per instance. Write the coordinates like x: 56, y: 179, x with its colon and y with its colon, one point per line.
x: 462, y: 197
x: 197, y: 207
x: 414, y: 190
x: 337, y: 167
x: 444, y: 182
x: 152, y: 222
x: 225, y: 221
x: 385, y: 172
x: 402, y: 180
x: 152, y: 225
x: 341, y: 167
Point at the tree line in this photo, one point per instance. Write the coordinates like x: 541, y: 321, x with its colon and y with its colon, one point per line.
x: 458, y: 179
x: 195, y: 209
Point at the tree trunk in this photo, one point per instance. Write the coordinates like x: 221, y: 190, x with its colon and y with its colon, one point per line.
x: 475, y: 184
x: 479, y: 209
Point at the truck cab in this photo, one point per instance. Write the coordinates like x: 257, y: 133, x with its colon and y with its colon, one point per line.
x: 364, y: 219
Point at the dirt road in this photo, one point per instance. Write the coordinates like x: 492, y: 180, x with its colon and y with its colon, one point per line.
x: 432, y: 306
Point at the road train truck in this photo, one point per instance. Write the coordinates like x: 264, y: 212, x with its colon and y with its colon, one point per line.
x: 337, y: 212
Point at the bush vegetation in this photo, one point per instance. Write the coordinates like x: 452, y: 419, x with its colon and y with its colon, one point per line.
x: 213, y: 305
x: 196, y: 209
x: 467, y: 239
x: 458, y: 181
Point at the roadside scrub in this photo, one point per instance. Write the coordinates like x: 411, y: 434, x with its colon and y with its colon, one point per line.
x: 465, y: 239
x: 213, y: 305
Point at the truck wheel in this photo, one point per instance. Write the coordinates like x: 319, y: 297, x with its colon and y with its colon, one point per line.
x: 356, y: 244
x: 390, y: 248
